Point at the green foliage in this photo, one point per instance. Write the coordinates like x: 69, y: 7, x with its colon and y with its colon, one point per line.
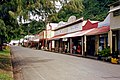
x: 5, y: 65
x: 11, y: 9
x: 89, y: 9
x: 73, y: 7
x: 4, y: 76
x: 105, y: 52
x: 33, y: 27
x: 2, y: 28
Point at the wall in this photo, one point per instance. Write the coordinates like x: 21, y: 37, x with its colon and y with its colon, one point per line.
x: 90, y: 25
x: 114, y: 21
x: 69, y: 29
x: 42, y: 35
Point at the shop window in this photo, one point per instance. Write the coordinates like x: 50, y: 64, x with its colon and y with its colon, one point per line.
x: 116, y: 13
x: 101, y: 43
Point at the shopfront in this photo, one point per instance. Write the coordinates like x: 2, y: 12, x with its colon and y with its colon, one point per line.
x: 63, y: 40
x: 42, y: 39
x: 98, y: 37
x: 77, y: 45
x: 116, y: 41
x: 90, y: 45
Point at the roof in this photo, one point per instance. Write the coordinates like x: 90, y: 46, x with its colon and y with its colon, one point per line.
x: 57, y: 37
x: 94, y: 31
x: 80, y: 33
x: 72, y: 23
x: 53, y: 25
x: 114, y: 9
x: 60, y: 24
x: 114, y: 3
x: 100, y: 30
x: 84, y: 22
x: 106, y: 22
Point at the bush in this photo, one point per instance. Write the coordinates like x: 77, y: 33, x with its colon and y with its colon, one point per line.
x: 105, y: 52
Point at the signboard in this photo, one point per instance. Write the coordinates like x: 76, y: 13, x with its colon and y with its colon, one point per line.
x: 69, y: 29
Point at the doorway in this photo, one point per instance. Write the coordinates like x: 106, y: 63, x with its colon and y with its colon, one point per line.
x: 91, y: 45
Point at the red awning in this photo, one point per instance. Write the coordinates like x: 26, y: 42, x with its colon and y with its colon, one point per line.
x: 100, y: 30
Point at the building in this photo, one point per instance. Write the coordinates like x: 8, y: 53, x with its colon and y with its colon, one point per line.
x: 114, y: 34
x: 50, y: 27
x: 62, y: 38
x: 42, y: 39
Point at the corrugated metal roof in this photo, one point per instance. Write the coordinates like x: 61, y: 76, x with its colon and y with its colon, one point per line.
x: 106, y: 22
x: 114, y: 9
x: 97, y: 31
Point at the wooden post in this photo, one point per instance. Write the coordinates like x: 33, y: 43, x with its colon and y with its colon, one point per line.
x: 115, y: 42
x: 82, y: 46
x: 85, y: 45
x: 96, y: 44
x: 71, y: 45
x: 110, y: 40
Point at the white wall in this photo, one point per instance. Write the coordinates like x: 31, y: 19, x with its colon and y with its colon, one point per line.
x: 69, y: 29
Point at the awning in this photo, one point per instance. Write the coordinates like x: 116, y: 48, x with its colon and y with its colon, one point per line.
x: 100, y: 30
x: 80, y: 33
x: 114, y: 9
x: 57, y: 37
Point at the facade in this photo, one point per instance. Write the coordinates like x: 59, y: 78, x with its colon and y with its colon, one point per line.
x: 114, y: 34
x: 97, y: 37
x: 81, y: 37
x: 50, y: 33
x: 78, y: 35
x: 42, y: 39
x: 64, y: 43
x: 27, y: 39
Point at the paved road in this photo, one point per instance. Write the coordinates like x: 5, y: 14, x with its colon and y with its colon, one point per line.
x: 32, y: 64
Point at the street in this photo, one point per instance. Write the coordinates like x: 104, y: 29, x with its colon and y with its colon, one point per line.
x: 30, y: 64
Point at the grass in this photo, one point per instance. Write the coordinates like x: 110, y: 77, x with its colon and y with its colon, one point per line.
x: 5, y: 65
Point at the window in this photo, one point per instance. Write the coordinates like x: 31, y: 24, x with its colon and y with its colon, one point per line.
x: 116, y: 13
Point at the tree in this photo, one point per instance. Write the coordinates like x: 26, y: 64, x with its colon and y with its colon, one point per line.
x: 89, y: 9
x: 69, y: 8
x: 96, y: 9
x: 10, y: 10
x: 2, y: 32
x: 32, y: 28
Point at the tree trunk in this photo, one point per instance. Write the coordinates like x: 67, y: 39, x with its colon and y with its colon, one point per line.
x: 0, y: 47
x: 0, y: 44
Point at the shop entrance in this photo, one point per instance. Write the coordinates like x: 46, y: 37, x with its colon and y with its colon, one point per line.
x: 116, y: 41
x: 91, y: 45
x: 65, y: 46
x: 77, y: 45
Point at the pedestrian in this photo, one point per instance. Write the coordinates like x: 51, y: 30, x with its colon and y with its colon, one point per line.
x: 74, y: 49
x: 65, y: 48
